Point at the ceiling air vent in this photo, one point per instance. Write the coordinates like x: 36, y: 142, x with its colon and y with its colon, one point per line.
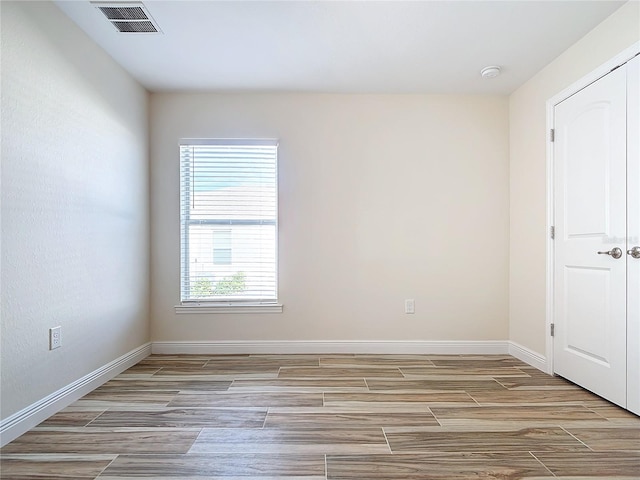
x: 128, y: 17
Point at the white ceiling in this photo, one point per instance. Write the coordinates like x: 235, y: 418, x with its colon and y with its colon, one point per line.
x: 343, y: 46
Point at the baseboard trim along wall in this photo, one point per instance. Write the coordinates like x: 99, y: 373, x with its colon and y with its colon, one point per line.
x: 18, y: 423
x: 529, y: 356
x: 327, y: 347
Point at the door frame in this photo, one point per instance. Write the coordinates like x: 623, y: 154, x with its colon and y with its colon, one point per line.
x: 620, y: 59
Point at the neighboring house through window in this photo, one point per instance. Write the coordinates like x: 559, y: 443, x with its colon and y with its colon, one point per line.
x: 229, y: 221
x: 222, y: 252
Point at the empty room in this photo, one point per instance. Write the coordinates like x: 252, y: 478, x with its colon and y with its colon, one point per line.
x: 320, y: 240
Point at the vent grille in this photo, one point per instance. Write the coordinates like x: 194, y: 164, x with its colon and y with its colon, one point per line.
x: 135, y: 27
x: 124, y: 13
x: 129, y: 17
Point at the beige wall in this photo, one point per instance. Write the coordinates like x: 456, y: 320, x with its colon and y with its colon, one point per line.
x: 527, y: 117
x: 74, y: 205
x: 382, y: 198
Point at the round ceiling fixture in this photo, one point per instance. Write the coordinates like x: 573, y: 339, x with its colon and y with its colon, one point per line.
x: 490, y: 72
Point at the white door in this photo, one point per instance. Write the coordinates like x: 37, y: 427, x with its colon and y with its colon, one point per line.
x: 633, y: 226
x: 590, y: 345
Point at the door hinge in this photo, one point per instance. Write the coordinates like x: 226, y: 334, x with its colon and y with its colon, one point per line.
x: 552, y: 134
x: 552, y: 231
x: 553, y: 329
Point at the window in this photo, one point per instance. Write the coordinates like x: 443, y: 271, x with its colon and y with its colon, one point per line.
x: 229, y: 222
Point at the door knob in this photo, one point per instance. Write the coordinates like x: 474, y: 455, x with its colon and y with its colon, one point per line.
x: 615, y: 252
x: 634, y: 252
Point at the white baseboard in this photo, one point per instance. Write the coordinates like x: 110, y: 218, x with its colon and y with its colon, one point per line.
x: 528, y: 356
x: 18, y: 423
x: 327, y: 347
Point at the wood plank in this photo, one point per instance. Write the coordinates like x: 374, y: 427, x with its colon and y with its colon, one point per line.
x: 450, y: 466
x: 248, y: 399
x: 330, y: 372
x: 479, y: 373
x: 592, y: 464
x: 53, y: 467
x: 366, y: 399
x: 515, y: 413
x: 542, y: 439
x: 216, y: 465
x: 181, y: 418
x: 463, y: 385
x: 299, y: 419
x: 374, y: 361
x: 73, y: 416
x: 108, y: 398
x: 609, y: 438
x: 480, y: 362
x: 309, y: 441
x: 119, y: 384
x: 523, y: 397
x: 103, y: 442
x: 300, y: 385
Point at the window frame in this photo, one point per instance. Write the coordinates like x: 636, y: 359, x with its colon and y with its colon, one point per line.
x: 188, y: 306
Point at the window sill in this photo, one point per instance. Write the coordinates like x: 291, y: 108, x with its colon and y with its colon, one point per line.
x: 209, y: 308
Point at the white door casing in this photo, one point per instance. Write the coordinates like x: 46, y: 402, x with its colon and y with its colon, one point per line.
x: 633, y: 232
x: 590, y: 342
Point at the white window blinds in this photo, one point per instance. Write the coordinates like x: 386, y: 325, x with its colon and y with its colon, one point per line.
x: 228, y: 220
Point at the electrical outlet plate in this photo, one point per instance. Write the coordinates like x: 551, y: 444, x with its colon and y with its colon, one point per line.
x: 409, y: 305
x: 55, y: 338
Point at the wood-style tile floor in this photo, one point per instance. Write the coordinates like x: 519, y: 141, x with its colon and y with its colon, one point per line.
x: 322, y: 417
